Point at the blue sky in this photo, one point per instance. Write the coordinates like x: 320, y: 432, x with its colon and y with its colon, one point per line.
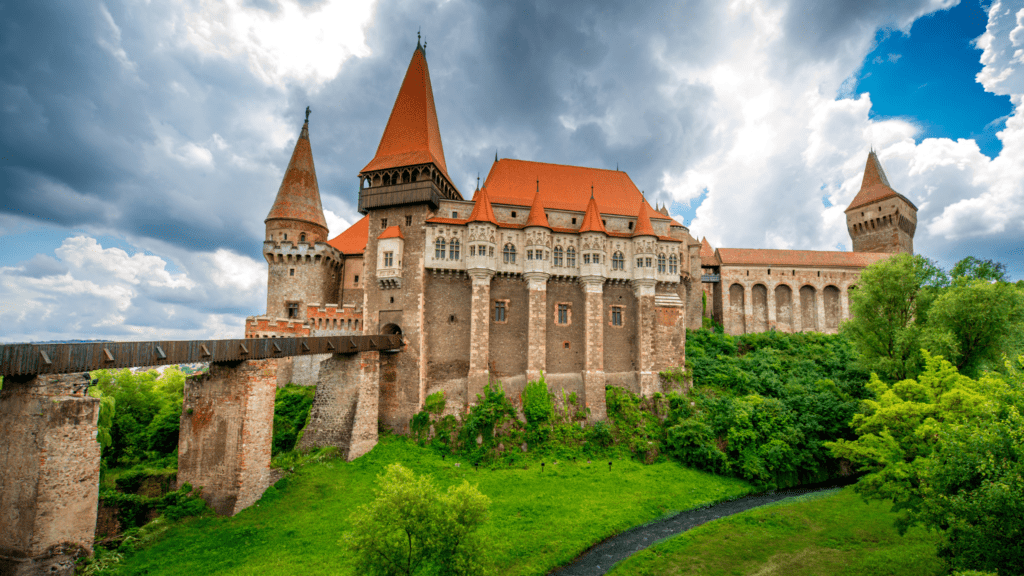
x: 141, y: 145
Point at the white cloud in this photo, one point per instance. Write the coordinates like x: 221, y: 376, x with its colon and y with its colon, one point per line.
x: 335, y: 223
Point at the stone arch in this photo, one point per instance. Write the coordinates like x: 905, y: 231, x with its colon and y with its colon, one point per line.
x: 406, y: 177
x: 833, y: 309
x: 808, y: 309
x: 391, y: 329
x: 784, y: 308
x: 759, y: 301
x: 736, y: 321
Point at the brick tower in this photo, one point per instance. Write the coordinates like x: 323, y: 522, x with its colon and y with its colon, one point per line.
x: 880, y: 219
x: 304, y: 269
x: 399, y: 189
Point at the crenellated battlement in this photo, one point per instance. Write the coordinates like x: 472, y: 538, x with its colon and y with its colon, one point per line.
x: 301, y: 253
x: 267, y: 327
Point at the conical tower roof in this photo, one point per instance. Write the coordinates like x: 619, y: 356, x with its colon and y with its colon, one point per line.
x: 875, y: 186
x: 592, y: 218
x: 643, y: 221
x: 412, y: 135
x: 707, y: 254
x: 537, y: 215
x: 298, y: 198
x: 482, y: 211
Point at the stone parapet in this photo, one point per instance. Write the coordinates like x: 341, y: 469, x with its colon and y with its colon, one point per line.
x: 267, y: 327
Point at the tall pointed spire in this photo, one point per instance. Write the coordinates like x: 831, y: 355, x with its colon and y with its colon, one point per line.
x: 298, y: 198
x: 875, y: 185
x: 482, y: 211
x: 643, y: 221
x: 537, y: 216
x: 412, y: 135
x: 592, y: 218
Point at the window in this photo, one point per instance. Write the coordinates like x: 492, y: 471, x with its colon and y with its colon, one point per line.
x: 408, y: 220
x: 439, y: 249
x: 291, y: 271
x: 356, y: 279
x: 472, y: 250
x: 453, y: 249
x: 630, y: 225
x: 570, y: 257
x: 573, y: 220
x: 389, y: 259
x: 383, y: 223
x: 586, y: 258
x: 597, y: 258
x: 618, y: 261
x: 293, y: 309
x: 661, y: 263
x: 648, y: 262
x: 302, y: 237
x: 500, y: 311
x: 509, y: 254
x: 529, y: 255
x: 639, y: 262
x: 616, y: 315
x: 673, y: 264
x: 285, y: 236
x: 490, y: 251
x: 558, y: 256
x: 455, y: 214
x: 563, y: 314
x: 513, y: 213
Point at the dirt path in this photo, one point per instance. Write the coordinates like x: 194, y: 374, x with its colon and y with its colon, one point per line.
x: 601, y: 557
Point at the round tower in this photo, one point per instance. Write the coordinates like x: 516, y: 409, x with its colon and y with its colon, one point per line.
x: 880, y: 219
x: 297, y: 215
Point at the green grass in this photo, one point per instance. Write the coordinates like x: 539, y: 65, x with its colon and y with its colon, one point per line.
x: 539, y: 520
x: 834, y: 533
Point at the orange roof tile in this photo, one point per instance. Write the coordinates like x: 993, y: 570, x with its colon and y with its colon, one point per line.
x: 412, y: 135
x: 537, y: 215
x: 875, y: 186
x: 766, y: 257
x: 353, y: 240
x: 298, y: 198
x: 643, y: 221
x: 707, y: 254
x: 482, y: 211
x: 564, y: 187
x: 592, y: 219
x: 391, y: 232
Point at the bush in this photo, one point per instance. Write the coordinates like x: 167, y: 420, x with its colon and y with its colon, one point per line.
x: 291, y: 411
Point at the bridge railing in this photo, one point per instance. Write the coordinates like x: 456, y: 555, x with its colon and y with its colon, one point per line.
x: 31, y: 359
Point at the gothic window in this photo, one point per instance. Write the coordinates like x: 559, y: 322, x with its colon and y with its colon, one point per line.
x: 586, y: 258
x: 529, y: 255
x: 472, y: 250
x: 408, y: 220
x: 389, y: 259
x: 648, y: 262
x: 661, y: 263
x: 500, y: 311
x: 453, y: 249
x: 673, y: 265
x: 616, y: 315
x: 558, y: 256
x: 563, y: 314
x: 439, y: 249
x: 639, y: 262
x: 509, y: 254
x: 597, y: 258
x: 383, y: 223
x: 618, y: 261
x: 570, y: 257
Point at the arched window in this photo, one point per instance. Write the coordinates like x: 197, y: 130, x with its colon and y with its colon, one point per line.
x: 558, y: 256
x: 302, y: 237
x: 661, y: 263
x: 453, y: 249
x: 509, y: 254
x: 570, y: 257
x: 618, y: 261
x: 439, y: 249
x: 673, y: 264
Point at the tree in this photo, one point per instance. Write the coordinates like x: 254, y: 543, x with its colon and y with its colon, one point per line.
x: 888, y: 311
x: 971, y: 268
x: 981, y: 319
x: 412, y: 528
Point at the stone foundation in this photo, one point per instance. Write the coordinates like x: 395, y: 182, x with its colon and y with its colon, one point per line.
x: 345, y: 408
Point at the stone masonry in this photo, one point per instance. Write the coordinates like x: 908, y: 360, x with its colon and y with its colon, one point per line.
x: 345, y: 410
x: 49, y: 474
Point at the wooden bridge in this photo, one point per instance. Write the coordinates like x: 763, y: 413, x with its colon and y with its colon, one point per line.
x: 50, y: 459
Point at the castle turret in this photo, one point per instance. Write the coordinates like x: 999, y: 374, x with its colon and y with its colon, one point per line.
x: 297, y: 215
x: 538, y: 242
x: 645, y: 243
x: 592, y: 242
x: 880, y: 219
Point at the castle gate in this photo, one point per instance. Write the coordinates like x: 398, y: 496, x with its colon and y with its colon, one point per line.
x: 50, y: 459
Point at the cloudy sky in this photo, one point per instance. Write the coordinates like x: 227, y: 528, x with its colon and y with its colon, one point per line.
x: 142, y: 143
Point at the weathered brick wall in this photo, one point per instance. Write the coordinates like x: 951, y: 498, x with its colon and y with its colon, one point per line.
x: 447, y: 322
x: 302, y: 274
x: 593, y: 375
x: 266, y: 327
x: 646, y: 319
x: 508, y: 346
x: 562, y: 359
x: 536, y: 341
x: 345, y: 408
x: 225, y: 440
x: 620, y: 342
x: 480, y: 335
x: 49, y: 473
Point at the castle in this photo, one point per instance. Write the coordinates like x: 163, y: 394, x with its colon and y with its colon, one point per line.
x: 561, y: 269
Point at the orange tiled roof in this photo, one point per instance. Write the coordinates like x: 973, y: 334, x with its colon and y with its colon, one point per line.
x: 643, y: 220
x: 353, y: 240
x: 766, y: 257
x: 874, y: 186
x: 592, y: 219
x: 537, y: 216
x: 707, y: 254
x: 412, y: 135
x: 391, y: 232
x: 563, y: 187
x: 482, y: 211
x: 298, y: 198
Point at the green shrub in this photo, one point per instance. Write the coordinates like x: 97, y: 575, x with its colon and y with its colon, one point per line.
x: 537, y: 406
x: 291, y: 411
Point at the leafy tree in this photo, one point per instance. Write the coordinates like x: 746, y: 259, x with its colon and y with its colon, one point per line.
x: 291, y: 410
x: 971, y: 268
x: 145, y: 423
x: 981, y: 319
x: 888, y: 311
x: 412, y: 528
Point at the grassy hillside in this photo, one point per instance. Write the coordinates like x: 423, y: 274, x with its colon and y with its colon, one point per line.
x: 539, y: 519
x: 827, y: 533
